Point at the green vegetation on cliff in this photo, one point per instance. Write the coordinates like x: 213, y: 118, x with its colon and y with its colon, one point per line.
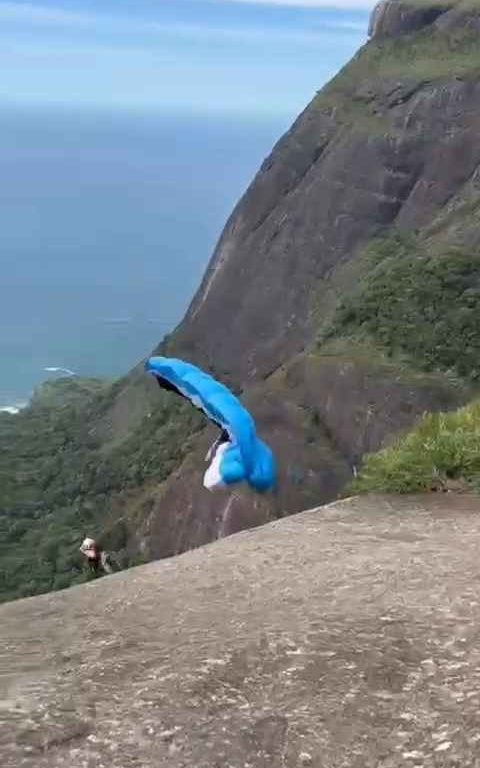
x: 442, y: 452
x: 419, y: 306
x: 60, y: 481
x: 419, y: 303
x: 389, y: 70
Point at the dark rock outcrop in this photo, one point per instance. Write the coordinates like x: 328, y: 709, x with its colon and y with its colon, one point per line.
x: 391, y: 18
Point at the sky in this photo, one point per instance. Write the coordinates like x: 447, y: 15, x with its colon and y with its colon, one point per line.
x: 129, y: 129
x: 236, y: 56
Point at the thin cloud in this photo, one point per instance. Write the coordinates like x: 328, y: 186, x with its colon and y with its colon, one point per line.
x: 37, y: 14
x: 45, y: 16
x: 256, y: 34
x: 344, y: 5
x: 48, y: 16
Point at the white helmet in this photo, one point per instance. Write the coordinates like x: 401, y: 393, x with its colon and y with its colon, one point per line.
x: 87, y: 544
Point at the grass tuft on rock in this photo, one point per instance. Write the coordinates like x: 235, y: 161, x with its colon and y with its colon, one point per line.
x: 441, y: 453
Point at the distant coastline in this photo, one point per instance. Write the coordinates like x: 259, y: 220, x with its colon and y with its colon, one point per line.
x: 14, y: 405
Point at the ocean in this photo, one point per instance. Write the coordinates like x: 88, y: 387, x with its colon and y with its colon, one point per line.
x: 108, y: 220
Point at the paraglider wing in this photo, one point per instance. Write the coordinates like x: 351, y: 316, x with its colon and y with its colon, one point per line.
x: 221, y: 406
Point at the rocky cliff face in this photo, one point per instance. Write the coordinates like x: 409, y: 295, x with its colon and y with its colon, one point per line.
x: 389, y: 149
x: 388, y: 143
x: 392, y: 143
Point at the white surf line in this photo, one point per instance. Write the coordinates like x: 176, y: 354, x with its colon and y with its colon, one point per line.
x: 59, y: 369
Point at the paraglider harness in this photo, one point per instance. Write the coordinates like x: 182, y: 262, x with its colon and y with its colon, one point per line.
x: 224, y: 437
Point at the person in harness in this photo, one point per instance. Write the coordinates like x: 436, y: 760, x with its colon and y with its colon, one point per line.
x: 97, y: 559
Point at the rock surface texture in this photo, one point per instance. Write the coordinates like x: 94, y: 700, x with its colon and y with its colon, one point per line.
x: 343, y: 636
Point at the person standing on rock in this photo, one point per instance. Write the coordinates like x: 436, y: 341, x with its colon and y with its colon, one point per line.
x: 98, y: 560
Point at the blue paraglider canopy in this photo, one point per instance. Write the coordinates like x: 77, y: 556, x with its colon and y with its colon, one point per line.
x: 243, y: 456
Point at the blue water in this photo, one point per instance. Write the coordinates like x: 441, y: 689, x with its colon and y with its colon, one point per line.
x: 107, y: 222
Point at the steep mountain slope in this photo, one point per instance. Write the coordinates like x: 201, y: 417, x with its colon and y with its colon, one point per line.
x: 390, y: 141
x: 389, y: 148
x: 342, y: 300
